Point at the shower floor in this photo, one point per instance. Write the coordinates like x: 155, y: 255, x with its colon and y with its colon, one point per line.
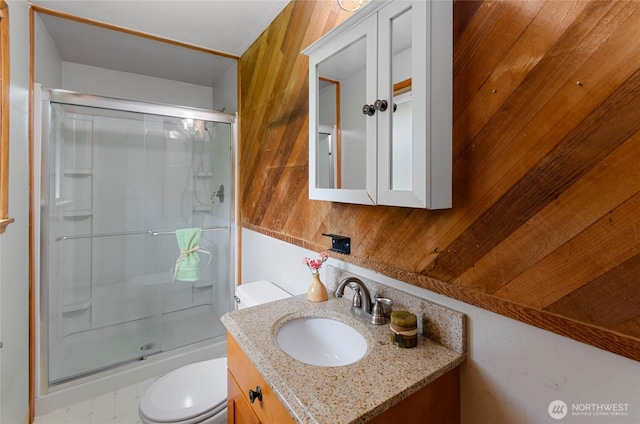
x: 92, y: 351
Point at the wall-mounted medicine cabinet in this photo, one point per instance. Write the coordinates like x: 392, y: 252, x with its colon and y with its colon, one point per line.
x: 380, y: 103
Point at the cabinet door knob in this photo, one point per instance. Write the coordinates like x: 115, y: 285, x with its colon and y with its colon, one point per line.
x: 381, y: 105
x: 255, y: 394
x: 368, y: 110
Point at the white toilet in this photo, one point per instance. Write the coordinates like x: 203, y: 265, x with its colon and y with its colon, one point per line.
x: 197, y: 393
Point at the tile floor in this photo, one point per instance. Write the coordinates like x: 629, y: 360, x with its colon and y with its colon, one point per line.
x: 119, y: 407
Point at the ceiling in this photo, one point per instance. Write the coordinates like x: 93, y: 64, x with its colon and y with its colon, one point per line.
x: 226, y: 26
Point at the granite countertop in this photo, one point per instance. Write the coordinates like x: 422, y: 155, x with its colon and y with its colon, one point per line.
x: 352, y: 393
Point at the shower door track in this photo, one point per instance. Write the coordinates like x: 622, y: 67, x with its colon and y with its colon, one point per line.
x: 102, y: 102
x: 130, y: 233
x: 100, y: 370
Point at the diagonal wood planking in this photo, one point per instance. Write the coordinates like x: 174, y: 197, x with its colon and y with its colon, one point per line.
x: 545, y: 225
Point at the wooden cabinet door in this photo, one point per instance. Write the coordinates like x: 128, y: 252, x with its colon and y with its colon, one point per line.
x: 269, y: 410
x: 239, y: 410
x: 436, y: 403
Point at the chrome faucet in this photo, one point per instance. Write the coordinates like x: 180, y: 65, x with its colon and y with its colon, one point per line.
x: 361, y: 306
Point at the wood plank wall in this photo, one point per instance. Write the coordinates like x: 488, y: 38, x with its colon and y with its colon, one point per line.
x: 545, y: 224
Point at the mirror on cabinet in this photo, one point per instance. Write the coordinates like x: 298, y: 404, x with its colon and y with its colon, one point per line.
x: 341, y: 98
x: 401, y: 163
x: 326, y: 151
x: 401, y: 128
x: 341, y: 88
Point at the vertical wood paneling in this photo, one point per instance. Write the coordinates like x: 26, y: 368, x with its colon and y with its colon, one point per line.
x: 545, y: 226
x: 4, y: 116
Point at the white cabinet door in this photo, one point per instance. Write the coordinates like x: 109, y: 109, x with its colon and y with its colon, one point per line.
x: 414, y: 133
x: 342, y: 74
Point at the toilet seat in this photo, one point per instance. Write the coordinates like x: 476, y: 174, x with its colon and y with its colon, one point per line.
x: 190, y: 394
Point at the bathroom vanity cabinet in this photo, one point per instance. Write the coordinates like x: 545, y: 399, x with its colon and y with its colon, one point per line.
x: 386, y: 385
x: 242, y: 378
x: 437, y: 403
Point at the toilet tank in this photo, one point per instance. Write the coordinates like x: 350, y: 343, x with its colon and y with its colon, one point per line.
x: 257, y: 293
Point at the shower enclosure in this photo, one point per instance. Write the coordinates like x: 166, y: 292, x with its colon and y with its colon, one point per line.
x: 118, y: 179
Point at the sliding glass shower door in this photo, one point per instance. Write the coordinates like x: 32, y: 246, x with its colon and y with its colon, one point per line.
x: 117, y: 186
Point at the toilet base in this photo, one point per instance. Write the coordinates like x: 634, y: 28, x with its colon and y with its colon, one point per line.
x: 219, y: 418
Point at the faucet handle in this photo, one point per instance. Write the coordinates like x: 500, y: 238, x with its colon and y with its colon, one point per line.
x: 357, y: 297
x: 378, y: 314
x: 380, y: 301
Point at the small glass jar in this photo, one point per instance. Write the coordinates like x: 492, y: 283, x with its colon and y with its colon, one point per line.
x: 404, y: 329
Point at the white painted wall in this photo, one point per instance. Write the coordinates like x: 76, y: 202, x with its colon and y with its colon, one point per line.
x: 53, y: 72
x: 263, y: 259
x: 513, y: 370
x: 225, y: 92
x: 106, y: 82
x: 14, y: 243
x: 48, y: 65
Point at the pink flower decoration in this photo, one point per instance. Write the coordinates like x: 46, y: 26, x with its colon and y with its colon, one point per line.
x: 315, y: 264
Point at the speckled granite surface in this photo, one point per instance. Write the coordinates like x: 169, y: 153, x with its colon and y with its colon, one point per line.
x: 443, y: 325
x: 353, y: 393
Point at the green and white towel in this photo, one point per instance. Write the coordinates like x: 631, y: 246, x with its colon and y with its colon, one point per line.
x: 187, y: 266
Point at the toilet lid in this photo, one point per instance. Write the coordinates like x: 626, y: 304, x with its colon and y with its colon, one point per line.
x: 187, y: 392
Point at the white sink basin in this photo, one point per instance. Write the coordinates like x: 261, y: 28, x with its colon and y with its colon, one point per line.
x: 321, y: 341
